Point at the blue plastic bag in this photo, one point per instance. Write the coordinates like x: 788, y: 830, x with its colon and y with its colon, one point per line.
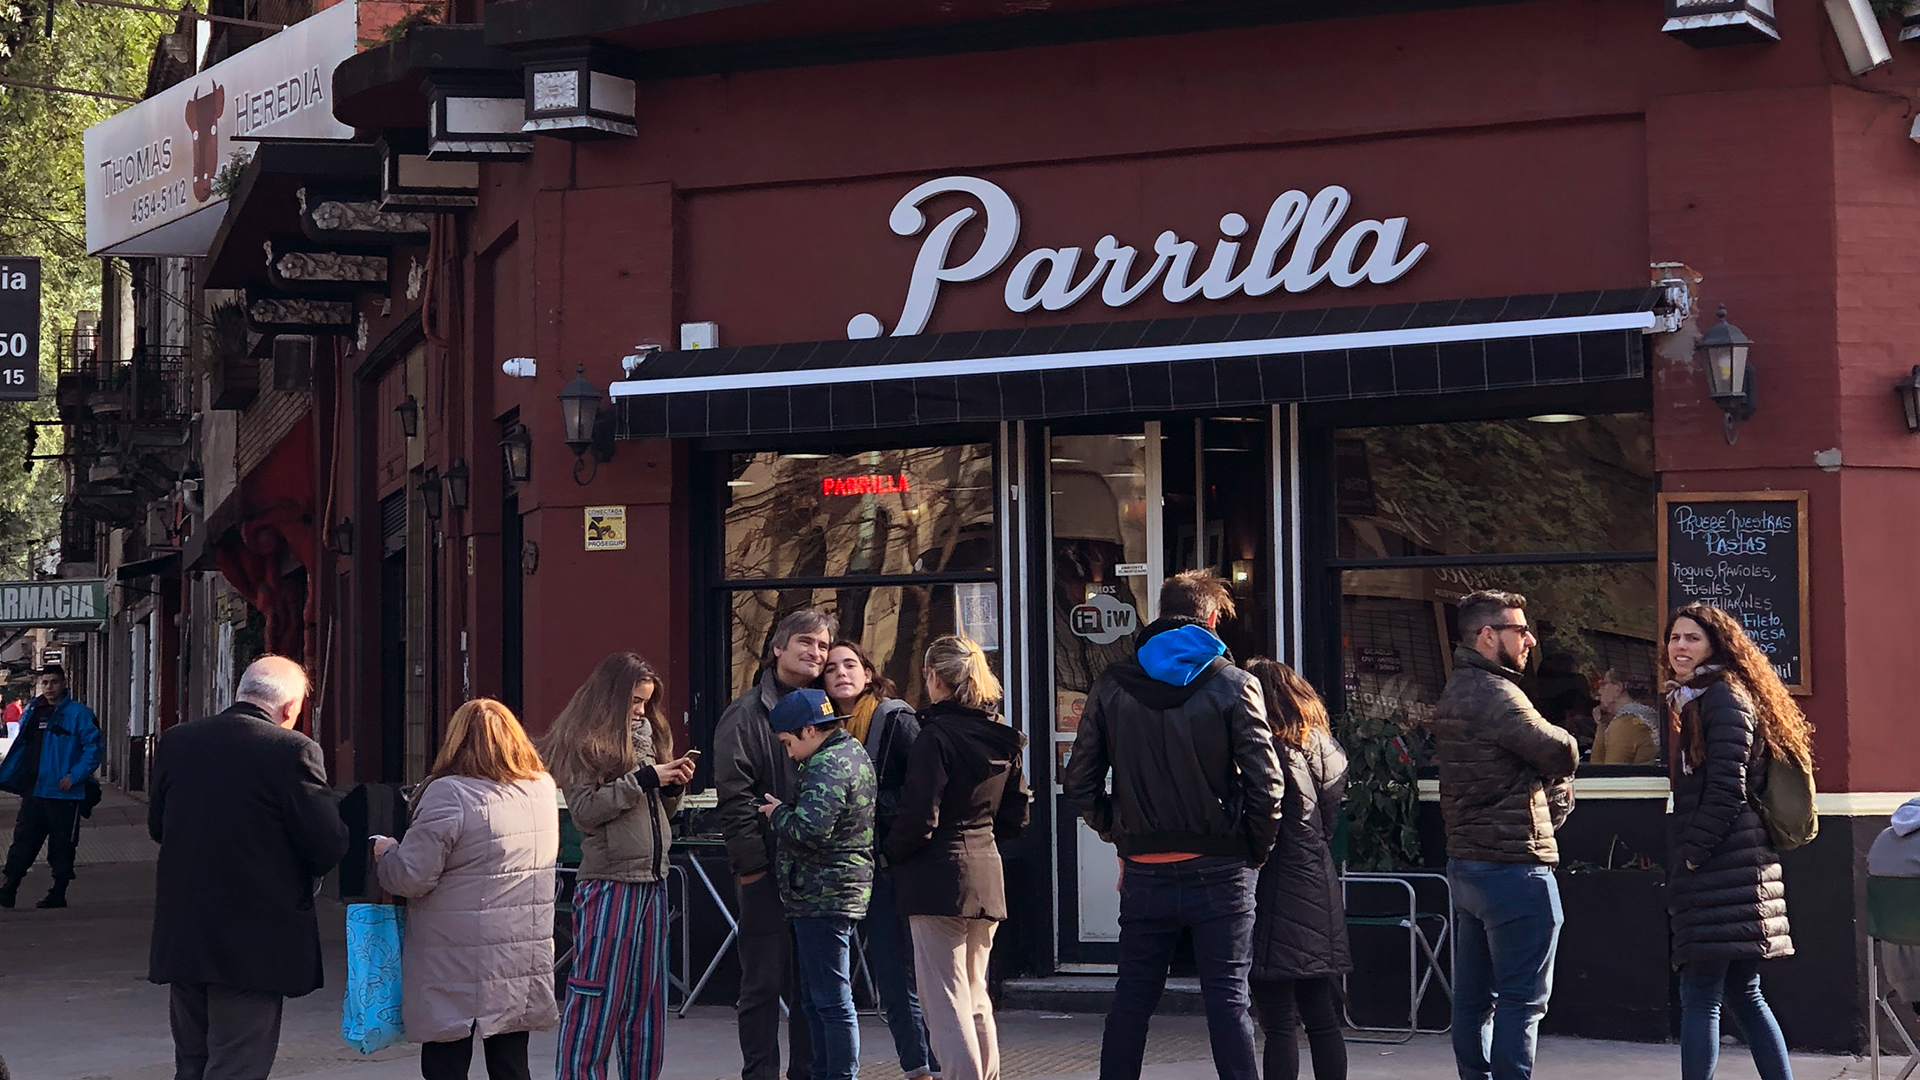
x: 370, y: 1018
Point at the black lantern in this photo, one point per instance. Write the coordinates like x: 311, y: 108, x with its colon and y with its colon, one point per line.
x: 458, y: 483
x: 409, y: 411
x: 585, y: 425
x: 1909, y: 391
x: 1706, y: 24
x: 343, y: 537
x: 517, y: 450
x: 1730, y: 375
x: 430, y: 493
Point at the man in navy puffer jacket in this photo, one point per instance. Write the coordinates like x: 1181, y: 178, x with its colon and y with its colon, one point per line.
x: 48, y: 766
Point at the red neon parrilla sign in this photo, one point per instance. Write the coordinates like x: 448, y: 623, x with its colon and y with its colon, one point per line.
x: 865, y: 485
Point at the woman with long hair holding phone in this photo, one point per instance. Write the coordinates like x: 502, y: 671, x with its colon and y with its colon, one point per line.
x: 612, y: 753
x: 1729, y: 716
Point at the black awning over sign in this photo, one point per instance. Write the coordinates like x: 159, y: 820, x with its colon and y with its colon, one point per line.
x: 1157, y: 365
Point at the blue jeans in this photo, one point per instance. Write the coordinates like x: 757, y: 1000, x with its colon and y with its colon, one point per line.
x: 1507, y: 924
x: 826, y: 993
x: 1212, y: 897
x: 889, y: 952
x: 1704, y: 985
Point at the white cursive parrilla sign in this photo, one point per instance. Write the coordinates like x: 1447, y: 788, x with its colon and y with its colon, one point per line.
x: 1287, y: 253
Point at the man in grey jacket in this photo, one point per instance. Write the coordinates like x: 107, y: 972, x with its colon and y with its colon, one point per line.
x: 749, y: 764
x: 1504, y: 792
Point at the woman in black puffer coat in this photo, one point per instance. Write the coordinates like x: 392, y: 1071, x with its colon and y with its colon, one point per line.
x: 1729, y: 714
x: 1300, y: 924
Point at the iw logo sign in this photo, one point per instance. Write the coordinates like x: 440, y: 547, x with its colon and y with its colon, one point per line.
x: 19, y: 329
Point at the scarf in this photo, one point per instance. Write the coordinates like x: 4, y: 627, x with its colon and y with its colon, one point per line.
x: 1682, y: 694
x: 862, y: 717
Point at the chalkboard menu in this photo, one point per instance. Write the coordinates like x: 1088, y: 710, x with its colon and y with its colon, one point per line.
x: 1744, y: 552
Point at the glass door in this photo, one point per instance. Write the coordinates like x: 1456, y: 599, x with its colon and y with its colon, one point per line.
x: 1126, y: 509
x: 1107, y: 541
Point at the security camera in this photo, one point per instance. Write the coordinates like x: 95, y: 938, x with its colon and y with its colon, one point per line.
x: 631, y: 362
x: 520, y: 367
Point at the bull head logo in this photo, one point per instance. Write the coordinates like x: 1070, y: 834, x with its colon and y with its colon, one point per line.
x: 203, y: 119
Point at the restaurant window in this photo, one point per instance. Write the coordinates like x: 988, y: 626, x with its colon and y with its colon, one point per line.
x: 1562, y: 513
x: 900, y: 545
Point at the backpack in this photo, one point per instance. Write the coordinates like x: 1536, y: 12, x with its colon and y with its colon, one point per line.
x: 1786, y: 804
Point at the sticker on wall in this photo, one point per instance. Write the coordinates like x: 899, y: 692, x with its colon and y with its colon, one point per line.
x: 1131, y: 569
x: 976, y: 614
x: 606, y: 528
x: 1103, y: 619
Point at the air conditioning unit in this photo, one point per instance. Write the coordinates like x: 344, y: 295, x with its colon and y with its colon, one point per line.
x: 293, y: 363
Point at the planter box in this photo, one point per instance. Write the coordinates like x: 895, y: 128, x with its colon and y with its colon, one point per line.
x: 233, y: 383
x: 1611, y: 979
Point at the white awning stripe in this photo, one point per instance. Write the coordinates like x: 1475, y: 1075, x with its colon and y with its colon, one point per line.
x: 1644, y: 321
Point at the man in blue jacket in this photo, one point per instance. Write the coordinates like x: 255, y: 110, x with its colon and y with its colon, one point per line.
x: 57, y: 750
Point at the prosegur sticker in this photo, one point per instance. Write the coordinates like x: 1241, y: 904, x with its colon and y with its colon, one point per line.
x: 1103, y: 619
x: 606, y: 528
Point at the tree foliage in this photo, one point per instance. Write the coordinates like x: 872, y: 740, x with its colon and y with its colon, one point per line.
x: 42, y: 212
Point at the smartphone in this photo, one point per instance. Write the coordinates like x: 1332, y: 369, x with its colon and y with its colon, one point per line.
x: 693, y: 755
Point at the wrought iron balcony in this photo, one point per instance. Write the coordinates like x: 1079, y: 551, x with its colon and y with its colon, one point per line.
x: 149, y: 388
x: 78, y: 535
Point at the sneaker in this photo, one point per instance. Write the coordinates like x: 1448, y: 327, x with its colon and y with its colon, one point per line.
x: 9, y: 891
x: 55, y: 898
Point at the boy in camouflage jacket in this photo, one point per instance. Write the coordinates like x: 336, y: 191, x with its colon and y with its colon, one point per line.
x: 824, y: 863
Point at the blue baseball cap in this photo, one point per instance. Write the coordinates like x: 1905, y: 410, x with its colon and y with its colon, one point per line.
x: 800, y: 708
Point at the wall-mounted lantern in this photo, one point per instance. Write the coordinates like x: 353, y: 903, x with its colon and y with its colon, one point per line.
x: 430, y: 494
x: 343, y: 537
x: 409, y: 410
x: 586, y: 425
x: 1708, y: 24
x: 1909, y: 391
x: 459, y: 483
x: 516, y: 450
x: 1730, y: 374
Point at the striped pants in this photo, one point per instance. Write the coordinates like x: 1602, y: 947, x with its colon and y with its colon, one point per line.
x: 617, y: 992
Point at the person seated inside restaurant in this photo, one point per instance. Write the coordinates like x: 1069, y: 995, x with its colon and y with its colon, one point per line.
x: 1564, y: 695
x: 1626, y: 732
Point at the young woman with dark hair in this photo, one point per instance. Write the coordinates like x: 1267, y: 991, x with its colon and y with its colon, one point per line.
x: 612, y: 753
x: 1300, y: 923
x: 1729, y: 716
x: 886, y: 727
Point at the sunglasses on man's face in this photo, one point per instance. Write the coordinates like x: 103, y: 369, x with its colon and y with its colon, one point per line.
x: 1522, y: 627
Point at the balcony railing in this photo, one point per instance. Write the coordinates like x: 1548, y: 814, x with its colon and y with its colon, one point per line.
x: 149, y: 387
x: 78, y: 536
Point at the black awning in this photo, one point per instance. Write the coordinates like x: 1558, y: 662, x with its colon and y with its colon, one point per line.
x: 1158, y: 365
x: 145, y: 567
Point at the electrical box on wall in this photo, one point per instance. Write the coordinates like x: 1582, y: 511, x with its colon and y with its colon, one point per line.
x: 699, y: 335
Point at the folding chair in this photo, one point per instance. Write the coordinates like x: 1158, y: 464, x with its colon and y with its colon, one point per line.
x: 1893, y: 918
x: 1429, y: 934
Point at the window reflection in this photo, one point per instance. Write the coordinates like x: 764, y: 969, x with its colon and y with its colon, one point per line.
x: 918, y: 510
x: 1398, y: 632
x: 1099, y: 522
x: 1502, y: 486
x: 894, y: 623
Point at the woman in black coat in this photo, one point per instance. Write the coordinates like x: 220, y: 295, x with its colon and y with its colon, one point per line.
x: 1729, y: 716
x: 964, y: 791
x: 1300, y: 924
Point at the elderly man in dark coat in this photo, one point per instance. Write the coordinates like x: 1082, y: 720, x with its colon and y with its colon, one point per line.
x: 246, y: 824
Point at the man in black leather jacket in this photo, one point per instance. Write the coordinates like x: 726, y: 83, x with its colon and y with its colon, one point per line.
x: 1194, y: 809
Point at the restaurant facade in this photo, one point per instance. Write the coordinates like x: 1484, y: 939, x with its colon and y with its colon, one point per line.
x: 984, y: 319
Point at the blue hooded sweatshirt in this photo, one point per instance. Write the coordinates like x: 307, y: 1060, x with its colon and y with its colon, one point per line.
x: 1178, y: 656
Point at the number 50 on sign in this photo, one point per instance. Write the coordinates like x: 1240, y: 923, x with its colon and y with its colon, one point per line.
x: 19, y: 329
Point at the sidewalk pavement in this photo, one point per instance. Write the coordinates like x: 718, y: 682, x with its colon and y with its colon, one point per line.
x: 75, y: 1005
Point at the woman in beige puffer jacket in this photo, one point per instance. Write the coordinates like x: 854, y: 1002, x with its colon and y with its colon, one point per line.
x: 477, y: 868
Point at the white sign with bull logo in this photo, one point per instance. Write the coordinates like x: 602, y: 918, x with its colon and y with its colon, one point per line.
x: 152, y: 170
